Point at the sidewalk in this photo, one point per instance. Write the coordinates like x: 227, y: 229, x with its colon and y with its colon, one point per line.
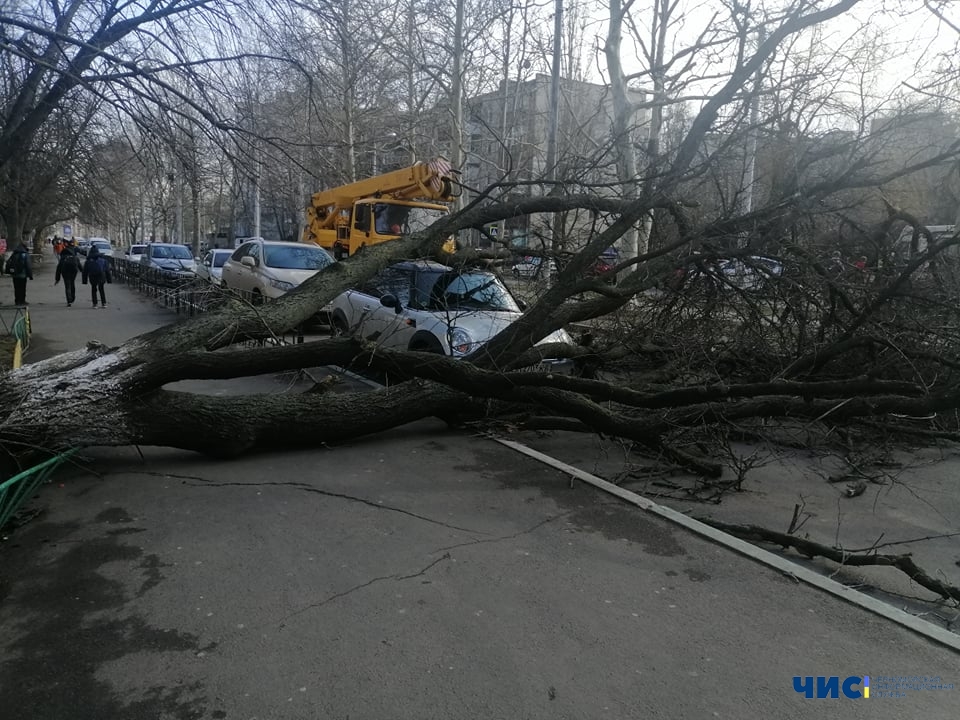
x: 419, y: 574
x: 57, y: 328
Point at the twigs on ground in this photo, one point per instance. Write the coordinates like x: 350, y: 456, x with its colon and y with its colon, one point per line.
x: 811, y: 549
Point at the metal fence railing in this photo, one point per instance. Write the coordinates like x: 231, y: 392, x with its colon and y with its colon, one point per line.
x: 18, y: 489
x: 180, y: 292
x: 186, y: 295
x: 18, y: 330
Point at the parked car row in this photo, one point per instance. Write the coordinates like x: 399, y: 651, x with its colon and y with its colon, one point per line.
x: 416, y: 305
x: 748, y: 274
x: 104, y: 246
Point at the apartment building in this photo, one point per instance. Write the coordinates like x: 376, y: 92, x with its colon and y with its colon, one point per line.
x: 506, y: 137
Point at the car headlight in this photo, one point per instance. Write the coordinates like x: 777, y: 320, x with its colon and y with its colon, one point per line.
x: 281, y: 284
x: 460, y: 342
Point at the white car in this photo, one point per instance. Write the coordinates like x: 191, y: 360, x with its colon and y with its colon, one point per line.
x: 532, y: 267
x: 266, y: 269
x: 237, y: 242
x: 211, y: 267
x: 134, y: 252
x: 132, y: 256
x: 752, y: 273
x: 426, y: 306
x: 103, y: 246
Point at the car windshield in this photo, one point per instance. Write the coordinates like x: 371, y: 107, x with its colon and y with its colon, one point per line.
x: 467, y: 291
x: 421, y: 218
x: 101, y: 244
x: 220, y: 258
x: 291, y: 257
x: 174, y: 252
x: 137, y: 249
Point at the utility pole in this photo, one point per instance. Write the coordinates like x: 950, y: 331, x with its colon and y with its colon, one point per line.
x: 143, y: 221
x: 554, y: 123
x: 456, y: 98
x: 554, y: 118
x: 749, y: 172
x: 180, y: 208
x: 301, y: 186
x: 256, y: 200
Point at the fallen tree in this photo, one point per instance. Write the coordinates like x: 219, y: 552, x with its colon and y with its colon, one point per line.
x: 671, y: 349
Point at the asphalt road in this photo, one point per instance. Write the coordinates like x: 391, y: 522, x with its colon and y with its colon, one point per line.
x: 420, y: 574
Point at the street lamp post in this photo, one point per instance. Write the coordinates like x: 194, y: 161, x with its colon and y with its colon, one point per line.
x: 389, y: 144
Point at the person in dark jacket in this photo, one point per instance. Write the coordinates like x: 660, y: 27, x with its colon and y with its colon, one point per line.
x: 21, y: 268
x: 96, y: 271
x: 68, y: 267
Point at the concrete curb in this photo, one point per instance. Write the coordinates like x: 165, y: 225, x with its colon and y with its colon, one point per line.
x: 878, y: 607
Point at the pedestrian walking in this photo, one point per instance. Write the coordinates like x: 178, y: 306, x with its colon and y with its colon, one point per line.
x: 20, y: 268
x: 96, y: 271
x: 68, y: 267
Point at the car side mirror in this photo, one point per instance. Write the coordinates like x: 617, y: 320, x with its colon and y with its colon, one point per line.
x: 248, y: 261
x: 389, y: 300
x: 522, y: 304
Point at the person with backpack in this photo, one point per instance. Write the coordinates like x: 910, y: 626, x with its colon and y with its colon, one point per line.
x: 68, y: 267
x: 20, y: 267
x: 96, y: 270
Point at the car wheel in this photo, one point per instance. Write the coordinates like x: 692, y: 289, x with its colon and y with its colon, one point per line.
x: 256, y: 298
x: 338, y: 326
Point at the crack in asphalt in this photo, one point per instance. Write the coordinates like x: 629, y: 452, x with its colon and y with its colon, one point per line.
x: 506, y: 537
x: 158, y: 474
x: 361, y: 586
x: 343, y: 496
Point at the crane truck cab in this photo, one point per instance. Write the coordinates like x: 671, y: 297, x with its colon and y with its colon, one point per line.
x: 344, y: 219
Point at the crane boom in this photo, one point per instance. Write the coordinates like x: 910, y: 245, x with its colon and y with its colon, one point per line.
x: 380, y: 208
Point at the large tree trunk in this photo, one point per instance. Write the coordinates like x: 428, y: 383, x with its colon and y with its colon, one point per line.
x: 132, y: 406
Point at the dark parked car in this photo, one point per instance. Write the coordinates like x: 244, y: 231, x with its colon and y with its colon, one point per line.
x: 172, y: 263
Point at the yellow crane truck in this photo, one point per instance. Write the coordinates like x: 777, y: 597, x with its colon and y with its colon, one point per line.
x: 381, y: 208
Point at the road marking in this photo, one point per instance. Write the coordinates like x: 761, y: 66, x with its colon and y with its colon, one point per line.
x: 797, y: 572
